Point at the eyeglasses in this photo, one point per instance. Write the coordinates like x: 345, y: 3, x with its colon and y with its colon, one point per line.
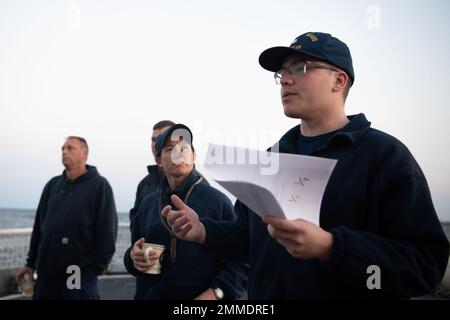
x: 299, y: 68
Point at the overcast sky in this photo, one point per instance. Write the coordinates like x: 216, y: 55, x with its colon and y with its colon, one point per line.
x: 108, y: 70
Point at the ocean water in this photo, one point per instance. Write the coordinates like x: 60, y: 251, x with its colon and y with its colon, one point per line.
x: 24, y: 218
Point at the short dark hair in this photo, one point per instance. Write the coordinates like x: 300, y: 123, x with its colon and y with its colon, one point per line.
x: 162, y: 124
x: 82, y: 141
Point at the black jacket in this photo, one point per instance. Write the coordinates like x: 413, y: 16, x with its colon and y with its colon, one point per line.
x: 75, y: 224
x: 378, y: 207
x: 149, y: 184
x: 193, y: 271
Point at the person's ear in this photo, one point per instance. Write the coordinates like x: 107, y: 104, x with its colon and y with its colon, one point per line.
x: 158, y: 162
x: 340, y: 81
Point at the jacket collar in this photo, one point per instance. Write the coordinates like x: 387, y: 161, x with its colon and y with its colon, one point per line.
x: 155, y: 172
x: 167, y: 192
x: 91, y: 172
x: 350, y: 133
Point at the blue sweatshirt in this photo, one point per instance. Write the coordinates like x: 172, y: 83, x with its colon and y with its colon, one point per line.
x: 378, y: 207
x: 193, y: 271
x: 147, y: 185
x: 75, y: 224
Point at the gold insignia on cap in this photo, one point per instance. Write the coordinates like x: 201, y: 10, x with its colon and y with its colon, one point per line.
x: 312, y: 37
x: 296, y: 46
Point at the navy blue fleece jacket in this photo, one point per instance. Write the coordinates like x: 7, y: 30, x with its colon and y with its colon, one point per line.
x: 75, y: 224
x: 378, y: 207
x: 193, y: 271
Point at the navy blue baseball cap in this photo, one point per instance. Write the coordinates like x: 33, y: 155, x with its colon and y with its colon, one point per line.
x: 177, y: 132
x: 318, y: 45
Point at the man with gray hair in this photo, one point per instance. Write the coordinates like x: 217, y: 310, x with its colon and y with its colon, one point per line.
x: 75, y: 230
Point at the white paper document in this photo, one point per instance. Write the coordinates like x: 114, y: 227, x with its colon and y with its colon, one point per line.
x: 277, y: 184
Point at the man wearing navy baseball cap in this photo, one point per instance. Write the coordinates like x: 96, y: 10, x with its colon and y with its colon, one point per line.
x: 317, y: 46
x: 186, y: 272
x: 178, y: 133
x: 379, y: 235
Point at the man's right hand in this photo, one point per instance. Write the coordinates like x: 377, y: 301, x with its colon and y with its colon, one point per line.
x: 184, y: 222
x: 137, y: 256
x: 20, y: 274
